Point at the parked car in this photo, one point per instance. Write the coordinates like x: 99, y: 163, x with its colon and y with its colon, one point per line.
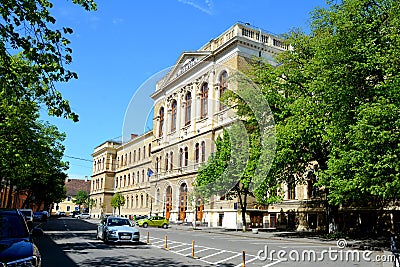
x: 39, y: 216
x: 157, y: 221
x: 17, y: 247
x: 60, y: 213
x: 139, y: 217
x: 28, y: 214
x: 117, y: 229
x: 83, y: 216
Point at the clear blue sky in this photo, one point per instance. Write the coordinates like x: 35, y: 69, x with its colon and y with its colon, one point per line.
x: 122, y: 44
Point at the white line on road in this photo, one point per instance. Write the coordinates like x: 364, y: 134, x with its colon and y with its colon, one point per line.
x: 248, y: 261
x: 198, y: 251
x: 273, y: 263
x: 223, y: 260
x: 178, y: 246
x: 211, y: 255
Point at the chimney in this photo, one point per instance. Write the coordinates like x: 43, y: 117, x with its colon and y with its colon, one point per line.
x: 133, y: 136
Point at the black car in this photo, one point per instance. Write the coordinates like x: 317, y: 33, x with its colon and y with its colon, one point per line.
x: 16, y: 245
x: 39, y: 216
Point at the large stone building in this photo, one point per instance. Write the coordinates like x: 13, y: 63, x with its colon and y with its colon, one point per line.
x: 155, y: 171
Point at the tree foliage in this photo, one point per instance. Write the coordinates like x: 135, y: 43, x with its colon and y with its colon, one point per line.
x: 117, y: 201
x: 335, y: 98
x: 33, y: 58
x: 27, y: 27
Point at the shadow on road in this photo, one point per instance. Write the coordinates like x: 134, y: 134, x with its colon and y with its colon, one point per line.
x: 52, y: 254
x: 139, y: 261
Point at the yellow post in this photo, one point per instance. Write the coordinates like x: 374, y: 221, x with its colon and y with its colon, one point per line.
x: 244, y: 258
x: 192, y: 248
x: 165, y: 243
x: 148, y: 238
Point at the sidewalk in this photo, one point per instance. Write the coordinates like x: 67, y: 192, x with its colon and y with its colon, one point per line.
x: 382, y: 244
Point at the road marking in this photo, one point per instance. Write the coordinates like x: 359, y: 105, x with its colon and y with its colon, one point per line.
x: 211, y: 255
x: 93, y: 246
x: 178, y: 246
x: 247, y: 261
x: 178, y: 251
x: 273, y: 263
x: 198, y: 251
x: 234, y: 256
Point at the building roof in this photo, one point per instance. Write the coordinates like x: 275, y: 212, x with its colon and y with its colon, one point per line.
x: 74, y: 185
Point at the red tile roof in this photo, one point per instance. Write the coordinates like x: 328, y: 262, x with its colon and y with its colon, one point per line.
x: 74, y: 185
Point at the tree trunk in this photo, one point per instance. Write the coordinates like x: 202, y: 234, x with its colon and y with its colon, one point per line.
x: 9, y: 197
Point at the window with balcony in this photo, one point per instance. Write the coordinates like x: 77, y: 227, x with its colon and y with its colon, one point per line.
x: 188, y: 108
x: 223, y: 87
x: 173, y: 115
x: 161, y: 122
x: 197, y: 153
x: 204, y: 101
x: 203, y: 151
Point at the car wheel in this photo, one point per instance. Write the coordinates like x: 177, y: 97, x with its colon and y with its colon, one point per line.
x: 145, y: 225
x: 165, y: 226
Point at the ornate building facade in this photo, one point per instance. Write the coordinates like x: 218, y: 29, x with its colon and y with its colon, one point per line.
x: 155, y: 171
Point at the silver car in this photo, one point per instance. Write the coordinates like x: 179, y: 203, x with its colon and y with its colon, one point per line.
x: 117, y: 229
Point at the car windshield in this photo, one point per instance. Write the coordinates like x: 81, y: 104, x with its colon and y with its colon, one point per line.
x: 26, y: 212
x: 118, y: 222
x: 11, y: 226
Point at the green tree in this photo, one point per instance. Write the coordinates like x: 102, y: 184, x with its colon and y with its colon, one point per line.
x: 227, y: 175
x: 117, y: 201
x: 335, y: 98
x: 81, y: 198
x: 27, y: 27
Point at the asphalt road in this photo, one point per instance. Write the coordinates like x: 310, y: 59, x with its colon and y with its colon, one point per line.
x: 71, y: 242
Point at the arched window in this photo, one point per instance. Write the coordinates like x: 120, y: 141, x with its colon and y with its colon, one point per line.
x: 134, y: 155
x: 138, y: 176
x: 138, y: 154
x: 156, y: 167
x: 142, y: 176
x: 188, y: 108
x: 180, y: 157
x: 131, y: 202
x: 149, y: 150
x: 141, y: 201
x: 204, y: 100
x: 223, y: 86
x: 129, y: 179
x: 116, y: 182
x: 161, y: 122
x: 203, y: 151
x: 166, y: 162
x: 147, y: 200
x: 173, y: 115
x: 122, y: 160
x: 130, y: 157
x: 171, y: 160
x: 186, y: 158
x: 144, y: 152
x: 124, y: 180
x: 133, y: 178
x: 158, y: 195
x: 137, y: 201
x: 197, y: 152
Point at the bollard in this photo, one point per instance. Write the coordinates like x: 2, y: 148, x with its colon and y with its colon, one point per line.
x: 166, y: 243
x: 148, y: 238
x: 193, y: 256
x: 244, y: 258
